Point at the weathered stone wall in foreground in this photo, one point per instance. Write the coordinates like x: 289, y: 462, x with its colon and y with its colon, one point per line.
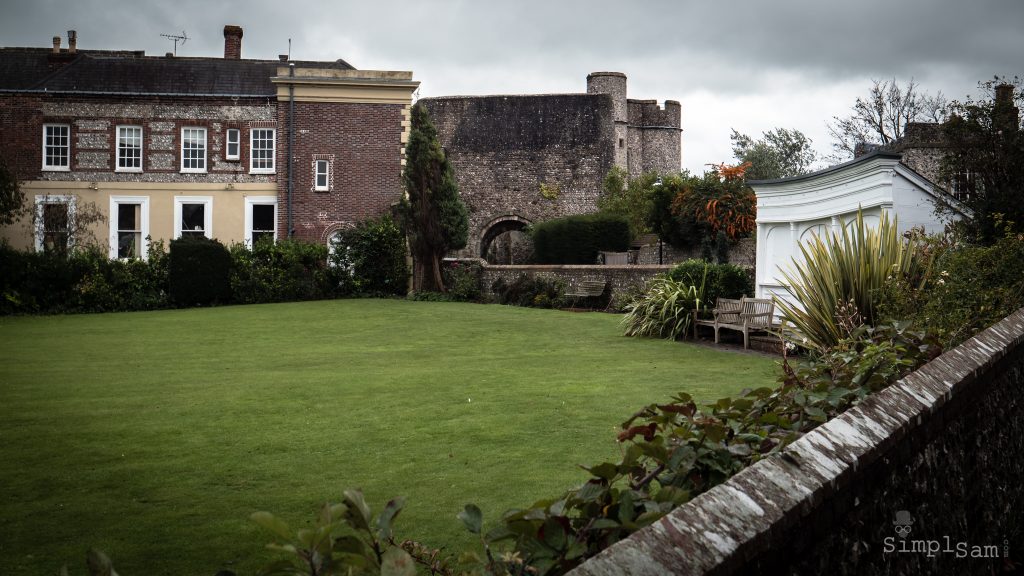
x: 941, y: 451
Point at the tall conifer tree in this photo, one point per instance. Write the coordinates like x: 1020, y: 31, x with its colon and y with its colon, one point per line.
x: 435, y: 218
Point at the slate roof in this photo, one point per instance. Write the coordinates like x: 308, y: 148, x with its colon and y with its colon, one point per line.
x: 109, y: 72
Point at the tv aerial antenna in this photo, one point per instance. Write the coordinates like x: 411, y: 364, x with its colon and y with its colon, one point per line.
x: 182, y: 38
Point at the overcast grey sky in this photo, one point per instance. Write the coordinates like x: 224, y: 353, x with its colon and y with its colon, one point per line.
x: 744, y: 64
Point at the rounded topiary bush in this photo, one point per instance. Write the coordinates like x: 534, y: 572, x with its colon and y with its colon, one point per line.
x: 199, y: 272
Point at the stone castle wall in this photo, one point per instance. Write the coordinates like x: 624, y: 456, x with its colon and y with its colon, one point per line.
x: 535, y: 158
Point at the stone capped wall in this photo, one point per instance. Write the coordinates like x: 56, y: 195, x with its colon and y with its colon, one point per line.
x: 623, y: 279
x: 941, y: 452
x: 505, y: 148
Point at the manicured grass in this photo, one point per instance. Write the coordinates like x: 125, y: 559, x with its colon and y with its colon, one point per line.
x: 153, y: 436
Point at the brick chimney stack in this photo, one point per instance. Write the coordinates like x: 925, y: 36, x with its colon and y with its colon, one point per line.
x: 232, y: 42
x: 1005, y: 116
x: 72, y: 41
x: 56, y: 44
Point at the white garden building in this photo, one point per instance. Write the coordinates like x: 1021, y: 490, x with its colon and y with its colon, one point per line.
x: 791, y: 210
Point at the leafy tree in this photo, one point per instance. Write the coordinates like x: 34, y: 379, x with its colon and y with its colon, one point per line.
x: 686, y: 210
x: 882, y: 116
x: 630, y: 199
x: 985, y: 159
x: 435, y: 218
x: 12, y: 199
x: 779, y: 153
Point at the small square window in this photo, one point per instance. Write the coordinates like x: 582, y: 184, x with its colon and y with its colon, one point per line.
x: 233, y: 144
x: 56, y: 147
x: 322, y: 175
x: 129, y: 149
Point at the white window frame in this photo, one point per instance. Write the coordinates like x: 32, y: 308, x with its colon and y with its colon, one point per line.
x: 205, y: 149
x: 272, y: 169
x: 119, y: 158
x: 57, y: 167
x: 40, y: 231
x: 180, y: 201
x: 232, y: 136
x: 143, y: 202
x: 316, y: 175
x: 251, y: 201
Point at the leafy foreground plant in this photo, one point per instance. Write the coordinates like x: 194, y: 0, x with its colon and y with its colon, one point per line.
x: 842, y: 276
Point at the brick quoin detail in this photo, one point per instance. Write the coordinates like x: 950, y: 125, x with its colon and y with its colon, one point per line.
x: 365, y: 140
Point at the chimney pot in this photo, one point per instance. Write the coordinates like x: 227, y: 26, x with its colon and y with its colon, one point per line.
x: 232, y: 42
x: 72, y: 41
x: 169, y: 55
x: 282, y: 57
x: 56, y: 44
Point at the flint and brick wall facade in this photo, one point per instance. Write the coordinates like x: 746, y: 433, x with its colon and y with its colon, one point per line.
x: 942, y: 448
x: 94, y: 123
x: 362, y: 143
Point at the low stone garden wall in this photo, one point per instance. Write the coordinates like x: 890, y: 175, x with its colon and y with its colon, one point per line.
x: 923, y: 477
x: 623, y: 279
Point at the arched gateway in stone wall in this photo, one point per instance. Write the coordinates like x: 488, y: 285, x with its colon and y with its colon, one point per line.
x: 526, y: 159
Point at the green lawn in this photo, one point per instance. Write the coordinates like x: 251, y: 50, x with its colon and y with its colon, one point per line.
x: 153, y: 436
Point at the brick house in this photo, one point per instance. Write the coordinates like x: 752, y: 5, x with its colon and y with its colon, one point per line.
x: 229, y: 148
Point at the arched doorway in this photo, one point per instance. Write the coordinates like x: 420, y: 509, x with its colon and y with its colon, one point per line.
x: 505, y: 241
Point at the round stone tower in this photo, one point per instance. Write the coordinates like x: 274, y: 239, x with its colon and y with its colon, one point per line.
x: 614, y: 84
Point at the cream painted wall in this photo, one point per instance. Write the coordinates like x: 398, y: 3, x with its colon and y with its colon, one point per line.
x: 228, y: 222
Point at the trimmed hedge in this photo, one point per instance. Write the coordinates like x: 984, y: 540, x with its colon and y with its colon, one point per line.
x: 284, y: 271
x: 371, y: 256
x: 199, y: 272
x: 578, y: 239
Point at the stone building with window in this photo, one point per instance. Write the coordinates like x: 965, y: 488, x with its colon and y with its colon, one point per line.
x: 164, y: 146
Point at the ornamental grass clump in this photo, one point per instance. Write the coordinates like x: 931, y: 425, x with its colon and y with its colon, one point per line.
x: 842, y: 275
x: 665, y: 309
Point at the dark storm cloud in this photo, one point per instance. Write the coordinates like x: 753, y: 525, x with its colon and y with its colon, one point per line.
x: 745, y: 64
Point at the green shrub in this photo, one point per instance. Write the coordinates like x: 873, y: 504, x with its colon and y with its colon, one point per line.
x: 578, y: 239
x: 718, y: 280
x: 839, y: 282
x: 464, y: 280
x: 83, y: 280
x: 969, y: 287
x: 199, y: 272
x: 283, y: 271
x: 372, y: 256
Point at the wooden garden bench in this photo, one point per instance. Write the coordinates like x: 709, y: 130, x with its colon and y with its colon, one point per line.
x: 586, y: 289
x: 745, y: 315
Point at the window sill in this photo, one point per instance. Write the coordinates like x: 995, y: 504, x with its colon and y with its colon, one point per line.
x: 129, y: 170
x: 263, y: 172
x: 56, y: 168
x: 192, y: 171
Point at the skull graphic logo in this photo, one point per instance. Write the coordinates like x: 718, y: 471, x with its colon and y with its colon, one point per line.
x: 902, y: 523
